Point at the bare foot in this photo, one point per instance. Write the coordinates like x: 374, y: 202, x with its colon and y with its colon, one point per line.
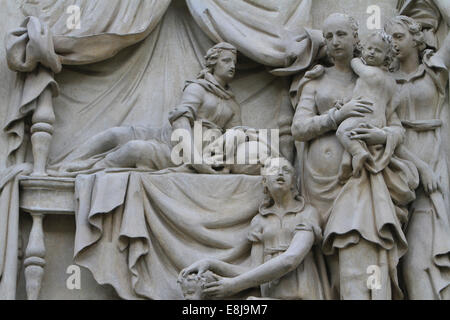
x: 358, y: 161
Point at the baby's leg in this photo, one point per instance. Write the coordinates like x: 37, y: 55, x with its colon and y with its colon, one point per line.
x: 355, y: 147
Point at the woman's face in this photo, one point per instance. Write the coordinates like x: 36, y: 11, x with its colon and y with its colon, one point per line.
x: 402, y: 41
x: 225, y: 67
x: 339, y: 38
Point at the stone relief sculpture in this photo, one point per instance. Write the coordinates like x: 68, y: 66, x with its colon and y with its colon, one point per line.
x: 374, y: 84
x: 192, y: 285
x: 421, y: 79
x: 207, y: 100
x: 282, y: 236
x: 368, y: 186
x: 355, y: 225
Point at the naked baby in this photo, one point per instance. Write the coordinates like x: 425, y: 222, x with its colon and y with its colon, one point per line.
x: 374, y: 84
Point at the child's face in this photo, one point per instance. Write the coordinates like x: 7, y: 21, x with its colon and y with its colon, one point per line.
x: 279, y: 177
x: 374, y: 51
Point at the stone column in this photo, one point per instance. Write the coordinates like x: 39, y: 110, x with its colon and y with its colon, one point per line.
x: 42, y: 132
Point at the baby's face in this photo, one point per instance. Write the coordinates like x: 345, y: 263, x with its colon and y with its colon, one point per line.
x: 374, y: 51
x: 192, y: 290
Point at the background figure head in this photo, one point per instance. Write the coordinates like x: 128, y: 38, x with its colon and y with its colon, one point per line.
x: 193, y: 284
x: 220, y: 61
x: 377, y: 49
x: 407, y: 37
x: 341, y: 37
x: 278, y: 177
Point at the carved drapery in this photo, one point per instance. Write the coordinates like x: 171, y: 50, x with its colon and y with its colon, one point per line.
x: 108, y: 27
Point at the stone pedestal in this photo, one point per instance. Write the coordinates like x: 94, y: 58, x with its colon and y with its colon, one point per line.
x: 40, y: 197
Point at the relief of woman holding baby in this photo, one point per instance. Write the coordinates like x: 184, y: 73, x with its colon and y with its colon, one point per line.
x: 349, y: 168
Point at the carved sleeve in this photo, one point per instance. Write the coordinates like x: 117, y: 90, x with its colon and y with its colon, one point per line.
x: 255, y: 233
x: 308, y: 220
x: 190, y: 103
x: 307, y: 123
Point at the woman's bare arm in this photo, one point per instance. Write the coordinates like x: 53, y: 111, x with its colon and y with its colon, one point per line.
x: 307, y: 123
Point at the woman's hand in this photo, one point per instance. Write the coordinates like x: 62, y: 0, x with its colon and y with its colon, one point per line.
x: 370, y: 134
x: 222, y: 288
x: 198, y: 267
x: 429, y: 180
x: 354, y: 108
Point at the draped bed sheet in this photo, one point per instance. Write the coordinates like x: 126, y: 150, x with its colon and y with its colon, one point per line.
x: 136, y: 231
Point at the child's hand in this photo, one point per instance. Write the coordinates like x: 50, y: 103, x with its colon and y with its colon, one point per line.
x: 222, y: 288
x: 198, y: 267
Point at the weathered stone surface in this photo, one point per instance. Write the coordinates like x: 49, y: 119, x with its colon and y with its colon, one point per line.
x: 130, y: 149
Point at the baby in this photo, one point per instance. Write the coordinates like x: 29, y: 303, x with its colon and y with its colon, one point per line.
x: 375, y: 84
x: 192, y: 285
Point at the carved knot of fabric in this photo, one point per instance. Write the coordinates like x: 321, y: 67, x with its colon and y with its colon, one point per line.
x: 30, y: 45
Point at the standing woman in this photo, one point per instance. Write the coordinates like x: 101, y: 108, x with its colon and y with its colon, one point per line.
x: 361, y: 222
x: 422, y: 77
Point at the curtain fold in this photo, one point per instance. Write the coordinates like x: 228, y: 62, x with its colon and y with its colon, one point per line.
x: 106, y: 26
x: 262, y: 30
x: 44, y: 42
x: 158, y: 224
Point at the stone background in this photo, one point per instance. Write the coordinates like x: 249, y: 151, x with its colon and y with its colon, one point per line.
x: 60, y: 231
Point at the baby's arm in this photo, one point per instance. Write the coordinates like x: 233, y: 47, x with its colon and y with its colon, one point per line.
x: 365, y: 71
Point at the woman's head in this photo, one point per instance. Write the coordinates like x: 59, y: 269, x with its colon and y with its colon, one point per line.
x: 221, y: 61
x: 407, y: 36
x: 341, y: 36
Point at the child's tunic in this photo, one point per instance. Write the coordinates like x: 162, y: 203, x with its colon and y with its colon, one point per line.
x: 276, y: 234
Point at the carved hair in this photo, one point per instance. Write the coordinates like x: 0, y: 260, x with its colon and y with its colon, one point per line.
x: 352, y: 22
x: 354, y: 25
x: 269, y: 163
x: 414, y: 28
x: 213, y: 55
x: 387, y: 39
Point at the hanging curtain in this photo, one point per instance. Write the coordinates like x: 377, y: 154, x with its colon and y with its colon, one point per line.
x: 261, y: 30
